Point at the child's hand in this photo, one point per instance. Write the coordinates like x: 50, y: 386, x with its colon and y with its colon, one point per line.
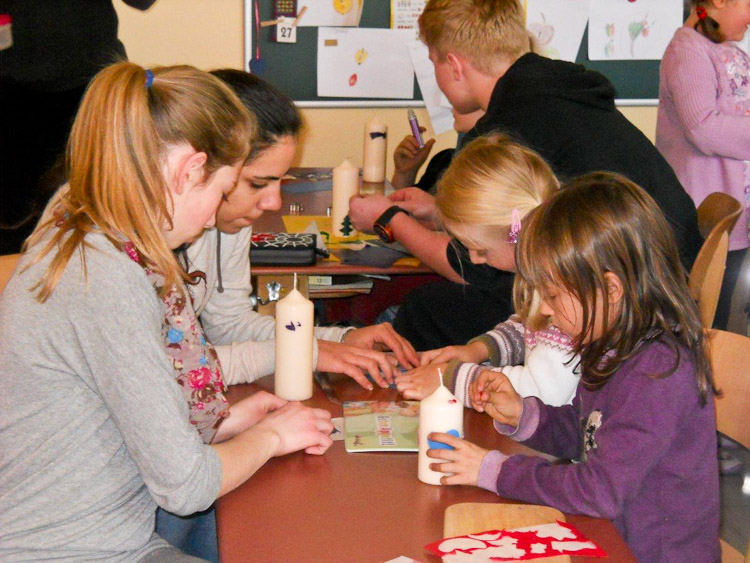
x: 464, y: 460
x: 493, y: 393
x: 474, y: 353
x: 407, y: 158
x: 418, y: 383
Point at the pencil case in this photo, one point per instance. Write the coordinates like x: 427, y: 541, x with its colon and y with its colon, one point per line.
x: 282, y: 249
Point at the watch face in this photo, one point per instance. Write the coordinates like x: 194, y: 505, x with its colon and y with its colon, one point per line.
x: 382, y: 232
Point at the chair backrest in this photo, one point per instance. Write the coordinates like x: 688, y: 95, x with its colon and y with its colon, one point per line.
x: 7, y: 267
x: 718, y: 214
x: 730, y: 361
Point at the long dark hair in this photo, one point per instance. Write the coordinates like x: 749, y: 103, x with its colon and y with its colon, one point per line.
x: 276, y: 114
x: 600, y: 223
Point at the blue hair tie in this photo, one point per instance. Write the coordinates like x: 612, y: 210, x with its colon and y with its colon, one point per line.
x: 149, y: 78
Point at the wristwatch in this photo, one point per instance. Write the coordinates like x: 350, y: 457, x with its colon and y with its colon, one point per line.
x: 382, y: 224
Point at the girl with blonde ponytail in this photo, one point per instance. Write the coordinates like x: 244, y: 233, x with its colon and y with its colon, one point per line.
x: 112, y: 398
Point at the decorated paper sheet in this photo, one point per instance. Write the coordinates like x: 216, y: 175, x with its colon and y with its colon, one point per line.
x: 438, y: 106
x: 405, y: 14
x: 625, y: 29
x: 558, y: 25
x: 371, y: 426
x: 532, y: 542
x: 365, y: 63
x: 319, y: 13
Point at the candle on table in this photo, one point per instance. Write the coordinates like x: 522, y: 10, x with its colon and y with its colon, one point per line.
x: 294, y: 347
x: 373, y: 167
x: 345, y: 185
x: 438, y: 412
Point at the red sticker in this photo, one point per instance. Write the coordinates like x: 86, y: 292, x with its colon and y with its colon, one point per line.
x: 353, y: 79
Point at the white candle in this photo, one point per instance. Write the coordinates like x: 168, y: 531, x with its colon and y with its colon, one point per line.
x: 373, y: 167
x: 438, y: 412
x: 294, y: 347
x: 345, y: 185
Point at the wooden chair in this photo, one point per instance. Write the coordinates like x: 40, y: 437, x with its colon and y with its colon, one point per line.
x: 717, y: 215
x: 730, y: 358
x: 7, y: 266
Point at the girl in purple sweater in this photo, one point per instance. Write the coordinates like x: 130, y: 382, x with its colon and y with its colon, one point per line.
x: 703, y: 124
x: 642, y: 422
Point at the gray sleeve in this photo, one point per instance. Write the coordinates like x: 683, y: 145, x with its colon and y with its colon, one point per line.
x: 118, y: 324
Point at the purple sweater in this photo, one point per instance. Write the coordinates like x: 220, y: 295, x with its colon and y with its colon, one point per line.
x: 648, y: 459
x: 703, y: 124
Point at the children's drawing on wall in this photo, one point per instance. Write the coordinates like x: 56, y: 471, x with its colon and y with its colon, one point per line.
x: 364, y: 63
x: 340, y: 13
x: 558, y: 26
x: 632, y: 29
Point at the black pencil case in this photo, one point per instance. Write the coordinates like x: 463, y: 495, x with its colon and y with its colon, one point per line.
x: 282, y: 249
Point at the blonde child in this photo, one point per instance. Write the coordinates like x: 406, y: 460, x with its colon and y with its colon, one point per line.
x: 96, y: 432
x: 642, y: 423
x: 703, y: 124
x: 489, y: 183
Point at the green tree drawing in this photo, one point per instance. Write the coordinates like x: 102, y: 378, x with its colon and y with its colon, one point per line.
x: 346, y: 226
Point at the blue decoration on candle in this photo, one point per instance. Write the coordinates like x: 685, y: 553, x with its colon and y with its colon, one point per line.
x: 440, y: 445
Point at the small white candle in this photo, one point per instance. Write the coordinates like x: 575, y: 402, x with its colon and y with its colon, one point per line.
x: 345, y: 185
x: 373, y: 167
x: 294, y: 347
x: 438, y: 412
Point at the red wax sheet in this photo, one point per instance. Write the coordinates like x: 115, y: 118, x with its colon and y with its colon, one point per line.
x: 532, y: 542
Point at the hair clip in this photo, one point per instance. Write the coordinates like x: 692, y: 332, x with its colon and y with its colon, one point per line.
x: 149, y: 78
x: 515, y: 227
x: 700, y: 11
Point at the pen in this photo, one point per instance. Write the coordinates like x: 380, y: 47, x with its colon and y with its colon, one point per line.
x: 415, y: 128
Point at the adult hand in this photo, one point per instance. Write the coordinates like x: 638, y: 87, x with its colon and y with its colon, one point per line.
x: 407, y: 158
x: 353, y: 361
x: 364, y: 210
x: 418, y: 203
x: 474, y: 353
x: 298, y: 428
x: 463, y: 461
x: 493, y: 393
x: 420, y: 382
x: 246, y: 413
x: 383, y: 336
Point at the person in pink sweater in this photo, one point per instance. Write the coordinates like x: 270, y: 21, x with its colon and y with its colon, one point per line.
x: 703, y: 124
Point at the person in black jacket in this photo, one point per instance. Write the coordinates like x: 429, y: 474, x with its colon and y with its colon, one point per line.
x: 483, y: 60
x: 58, y: 46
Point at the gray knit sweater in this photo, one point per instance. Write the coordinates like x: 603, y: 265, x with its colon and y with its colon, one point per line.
x: 94, y: 432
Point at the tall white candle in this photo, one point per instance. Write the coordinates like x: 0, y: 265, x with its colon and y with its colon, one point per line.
x: 373, y: 166
x: 438, y: 412
x: 294, y: 347
x: 345, y: 185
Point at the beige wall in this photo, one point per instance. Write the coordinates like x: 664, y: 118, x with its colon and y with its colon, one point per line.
x: 210, y: 34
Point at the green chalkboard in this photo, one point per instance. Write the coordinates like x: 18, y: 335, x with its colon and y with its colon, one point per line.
x: 292, y: 67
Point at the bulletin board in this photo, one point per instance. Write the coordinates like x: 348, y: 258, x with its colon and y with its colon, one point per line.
x: 293, y: 67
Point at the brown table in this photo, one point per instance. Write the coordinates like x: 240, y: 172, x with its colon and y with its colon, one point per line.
x: 361, y: 507
x: 316, y: 203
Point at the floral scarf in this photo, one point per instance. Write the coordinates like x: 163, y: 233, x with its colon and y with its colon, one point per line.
x: 196, y: 364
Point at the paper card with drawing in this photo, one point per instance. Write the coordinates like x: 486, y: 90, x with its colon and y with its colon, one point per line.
x: 365, y: 63
x: 558, y: 26
x: 637, y: 29
x: 318, y: 13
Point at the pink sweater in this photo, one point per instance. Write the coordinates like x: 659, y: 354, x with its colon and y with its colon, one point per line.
x: 703, y: 124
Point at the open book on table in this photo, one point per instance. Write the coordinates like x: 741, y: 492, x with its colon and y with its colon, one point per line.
x: 373, y: 426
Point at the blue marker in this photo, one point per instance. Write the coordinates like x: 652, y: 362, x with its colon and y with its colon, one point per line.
x: 415, y: 128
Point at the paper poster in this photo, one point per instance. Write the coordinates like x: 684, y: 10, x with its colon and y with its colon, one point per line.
x: 339, y: 13
x: 365, y: 63
x: 405, y: 14
x: 438, y: 106
x: 632, y: 29
x: 558, y: 25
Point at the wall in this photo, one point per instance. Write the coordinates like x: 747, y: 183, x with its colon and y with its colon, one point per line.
x: 210, y: 34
